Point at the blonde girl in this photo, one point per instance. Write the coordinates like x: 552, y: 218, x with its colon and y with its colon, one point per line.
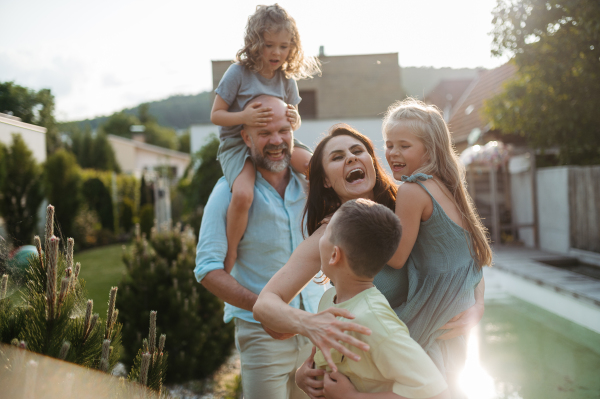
x: 270, y: 62
x: 444, y: 244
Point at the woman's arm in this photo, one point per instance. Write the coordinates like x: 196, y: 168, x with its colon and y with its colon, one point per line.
x: 323, y: 329
x: 411, y: 204
x: 253, y: 115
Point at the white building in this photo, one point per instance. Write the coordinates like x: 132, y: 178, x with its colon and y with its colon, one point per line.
x: 34, y: 136
x: 135, y: 157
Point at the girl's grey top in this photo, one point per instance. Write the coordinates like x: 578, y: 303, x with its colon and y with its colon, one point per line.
x: 240, y: 85
x: 441, y: 275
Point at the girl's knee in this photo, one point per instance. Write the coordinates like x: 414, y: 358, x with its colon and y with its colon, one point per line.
x: 242, y: 198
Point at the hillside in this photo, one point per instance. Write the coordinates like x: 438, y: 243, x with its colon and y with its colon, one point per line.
x: 177, y: 112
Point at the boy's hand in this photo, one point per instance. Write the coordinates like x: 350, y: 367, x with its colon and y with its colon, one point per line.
x: 293, y: 116
x: 462, y: 323
x: 337, y: 386
x: 306, y: 377
x: 257, y: 116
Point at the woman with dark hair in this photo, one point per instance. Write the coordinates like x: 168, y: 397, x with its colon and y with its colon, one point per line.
x: 343, y: 167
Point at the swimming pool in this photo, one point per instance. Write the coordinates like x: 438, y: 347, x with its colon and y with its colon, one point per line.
x: 520, y: 351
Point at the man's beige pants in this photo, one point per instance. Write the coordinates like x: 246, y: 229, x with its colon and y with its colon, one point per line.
x: 269, y: 365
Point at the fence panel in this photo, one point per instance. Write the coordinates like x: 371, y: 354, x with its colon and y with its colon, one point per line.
x: 584, y: 207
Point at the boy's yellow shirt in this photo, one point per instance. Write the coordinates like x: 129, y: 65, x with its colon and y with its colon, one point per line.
x: 395, y: 362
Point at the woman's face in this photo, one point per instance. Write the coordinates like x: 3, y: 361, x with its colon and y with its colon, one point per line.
x: 348, y: 168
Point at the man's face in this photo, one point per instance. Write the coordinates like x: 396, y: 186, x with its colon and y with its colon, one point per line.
x: 271, y: 146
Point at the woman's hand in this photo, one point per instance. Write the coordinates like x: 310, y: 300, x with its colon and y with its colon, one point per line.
x: 337, y: 386
x: 306, y: 377
x: 324, y: 330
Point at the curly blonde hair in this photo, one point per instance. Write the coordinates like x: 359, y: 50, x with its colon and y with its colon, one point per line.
x: 427, y: 123
x: 273, y: 19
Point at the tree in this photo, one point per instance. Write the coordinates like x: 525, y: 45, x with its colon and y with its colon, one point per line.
x: 555, y: 98
x: 120, y: 124
x: 92, y: 151
x: 32, y: 107
x: 20, y: 191
x: 62, y: 183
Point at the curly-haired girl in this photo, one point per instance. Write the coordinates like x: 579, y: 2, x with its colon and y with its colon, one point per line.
x: 269, y: 63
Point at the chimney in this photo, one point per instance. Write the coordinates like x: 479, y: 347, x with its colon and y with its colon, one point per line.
x: 321, y: 51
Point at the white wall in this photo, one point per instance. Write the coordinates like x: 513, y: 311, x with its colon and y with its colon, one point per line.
x: 310, y: 133
x: 553, y: 209
x: 34, y: 136
x: 521, y: 191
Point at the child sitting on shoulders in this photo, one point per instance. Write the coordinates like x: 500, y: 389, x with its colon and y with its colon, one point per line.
x: 269, y: 63
x: 359, y: 240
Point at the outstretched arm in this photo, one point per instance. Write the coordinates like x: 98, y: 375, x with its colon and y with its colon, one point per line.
x: 323, y: 329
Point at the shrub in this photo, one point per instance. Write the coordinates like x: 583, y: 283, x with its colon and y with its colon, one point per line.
x: 126, y: 214
x: 52, y: 317
x: 146, y: 219
x: 98, y: 199
x: 160, y: 276
x: 20, y: 191
x: 62, y: 182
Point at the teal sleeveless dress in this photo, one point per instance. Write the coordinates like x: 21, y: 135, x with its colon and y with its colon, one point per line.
x: 437, y: 282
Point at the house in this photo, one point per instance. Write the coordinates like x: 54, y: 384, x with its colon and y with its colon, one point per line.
x: 446, y: 94
x: 466, y: 116
x: 137, y: 157
x: 354, y: 89
x: 34, y: 136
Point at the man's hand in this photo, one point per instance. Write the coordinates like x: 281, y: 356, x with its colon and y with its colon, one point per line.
x: 277, y: 335
x: 337, y: 386
x: 293, y: 116
x: 257, y: 116
x: 306, y: 377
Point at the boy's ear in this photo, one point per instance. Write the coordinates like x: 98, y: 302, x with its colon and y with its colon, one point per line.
x: 336, y: 256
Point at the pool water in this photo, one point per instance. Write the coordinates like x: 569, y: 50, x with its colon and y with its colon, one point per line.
x: 520, y: 351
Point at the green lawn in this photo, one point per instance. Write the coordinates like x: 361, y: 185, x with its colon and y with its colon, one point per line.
x: 101, y: 268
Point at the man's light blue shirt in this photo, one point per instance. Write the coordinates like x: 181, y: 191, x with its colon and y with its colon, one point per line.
x: 274, y: 231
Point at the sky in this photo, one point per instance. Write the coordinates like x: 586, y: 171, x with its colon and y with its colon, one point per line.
x: 101, y: 57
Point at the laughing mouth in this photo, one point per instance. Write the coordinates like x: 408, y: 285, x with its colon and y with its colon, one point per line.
x: 354, y: 175
x: 397, y: 165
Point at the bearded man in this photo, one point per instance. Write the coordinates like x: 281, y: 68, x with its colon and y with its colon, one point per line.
x: 274, y: 231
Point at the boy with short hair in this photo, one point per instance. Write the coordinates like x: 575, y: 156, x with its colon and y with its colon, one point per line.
x: 359, y: 240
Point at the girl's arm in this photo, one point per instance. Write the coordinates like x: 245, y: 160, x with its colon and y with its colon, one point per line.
x: 411, y: 204
x: 253, y: 115
x: 337, y: 386
x: 272, y: 308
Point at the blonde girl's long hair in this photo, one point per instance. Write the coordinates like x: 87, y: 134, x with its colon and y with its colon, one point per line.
x: 426, y: 122
x: 273, y: 19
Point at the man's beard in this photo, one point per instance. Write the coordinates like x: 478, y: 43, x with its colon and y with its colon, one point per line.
x: 262, y: 160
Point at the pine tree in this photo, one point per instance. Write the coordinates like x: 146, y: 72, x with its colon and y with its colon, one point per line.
x: 52, y: 316
x: 160, y: 276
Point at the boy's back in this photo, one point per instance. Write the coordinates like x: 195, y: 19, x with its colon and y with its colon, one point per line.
x: 395, y: 362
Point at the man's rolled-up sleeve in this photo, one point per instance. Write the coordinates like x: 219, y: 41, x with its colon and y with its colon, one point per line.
x: 212, y: 242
